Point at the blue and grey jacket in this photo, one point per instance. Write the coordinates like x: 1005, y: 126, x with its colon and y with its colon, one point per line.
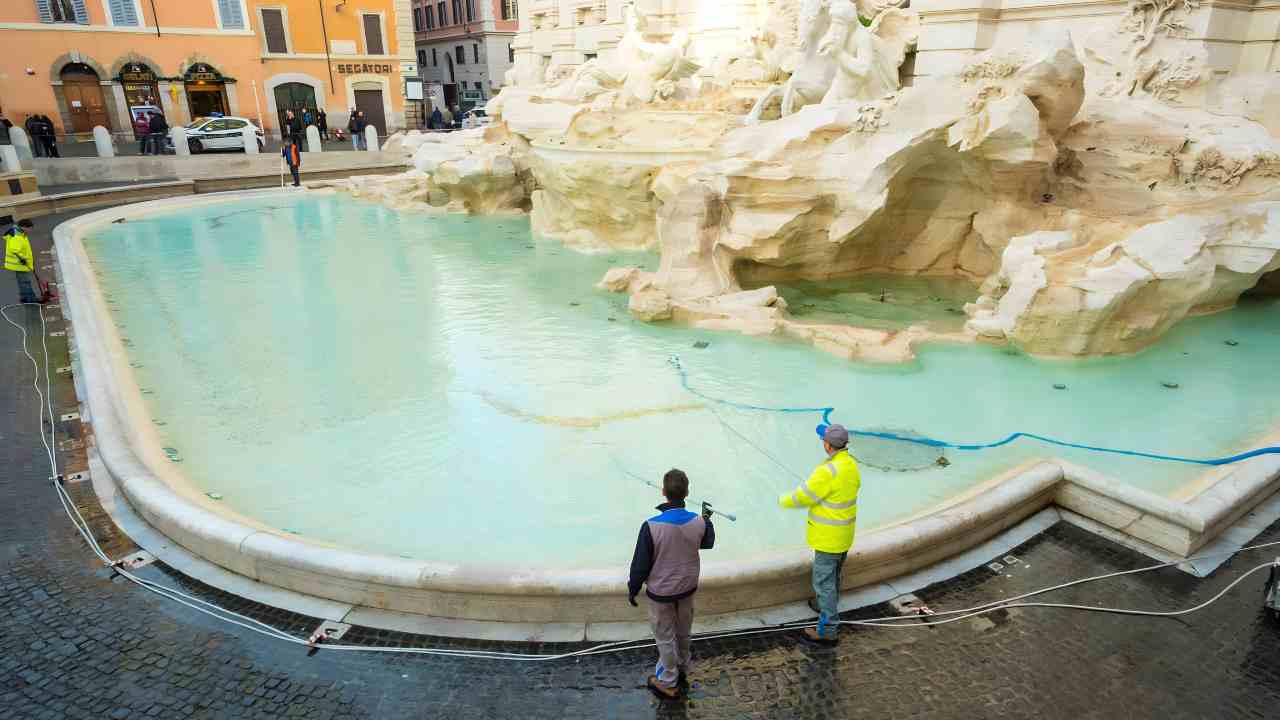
x: 666, y: 557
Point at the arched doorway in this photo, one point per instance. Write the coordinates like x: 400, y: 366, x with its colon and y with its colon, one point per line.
x: 296, y: 97
x: 206, y: 91
x: 85, y: 104
x: 141, y: 91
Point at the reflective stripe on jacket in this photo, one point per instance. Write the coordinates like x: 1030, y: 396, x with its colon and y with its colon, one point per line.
x: 831, y: 494
x: 17, y: 252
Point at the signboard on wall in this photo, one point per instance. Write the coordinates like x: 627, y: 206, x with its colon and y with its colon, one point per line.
x: 435, y: 93
x: 413, y: 89
x: 343, y: 47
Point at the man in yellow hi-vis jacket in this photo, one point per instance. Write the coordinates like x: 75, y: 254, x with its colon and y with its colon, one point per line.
x: 831, y: 495
x: 18, y: 258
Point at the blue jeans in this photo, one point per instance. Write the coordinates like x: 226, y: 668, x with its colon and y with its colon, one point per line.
x: 25, y: 290
x: 826, y: 586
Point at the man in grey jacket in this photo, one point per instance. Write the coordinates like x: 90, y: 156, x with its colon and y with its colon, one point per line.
x: 666, y: 561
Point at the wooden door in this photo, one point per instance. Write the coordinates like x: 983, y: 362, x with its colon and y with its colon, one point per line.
x: 85, y: 103
x: 370, y: 101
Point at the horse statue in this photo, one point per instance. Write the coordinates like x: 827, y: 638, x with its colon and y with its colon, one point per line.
x: 814, y: 72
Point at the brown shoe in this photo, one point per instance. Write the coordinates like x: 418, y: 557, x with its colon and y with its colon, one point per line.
x: 658, y: 689
x: 811, y: 634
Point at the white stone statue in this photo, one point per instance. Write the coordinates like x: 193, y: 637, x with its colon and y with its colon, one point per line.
x: 867, y: 58
x: 813, y: 71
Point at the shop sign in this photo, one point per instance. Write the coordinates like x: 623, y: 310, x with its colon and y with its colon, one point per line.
x: 201, y: 72
x: 137, y: 73
x: 354, y: 68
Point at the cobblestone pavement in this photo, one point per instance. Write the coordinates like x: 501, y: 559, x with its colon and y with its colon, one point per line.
x: 76, y: 643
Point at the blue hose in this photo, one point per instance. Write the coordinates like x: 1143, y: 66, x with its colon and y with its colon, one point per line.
x: 930, y: 442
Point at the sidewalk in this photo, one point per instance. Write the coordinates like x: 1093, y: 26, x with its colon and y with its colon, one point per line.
x: 129, y: 148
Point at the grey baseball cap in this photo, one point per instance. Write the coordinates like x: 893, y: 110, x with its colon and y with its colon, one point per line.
x: 834, y: 434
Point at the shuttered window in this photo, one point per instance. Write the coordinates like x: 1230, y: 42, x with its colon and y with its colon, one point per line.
x: 431, y: 18
x: 123, y: 12
x: 57, y: 11
x: 231, y: 13
x: 471, y: 11
x: 510, y: 10
x: 273, y: 30
x: 373, y: 35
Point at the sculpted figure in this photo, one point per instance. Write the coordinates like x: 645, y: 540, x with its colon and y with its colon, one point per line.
x: 867, y: 58
x: 814, y: 71
x: 652, y: 69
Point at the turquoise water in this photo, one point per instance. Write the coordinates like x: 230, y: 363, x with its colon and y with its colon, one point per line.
x: 883, y: 302
x: 445, y: 387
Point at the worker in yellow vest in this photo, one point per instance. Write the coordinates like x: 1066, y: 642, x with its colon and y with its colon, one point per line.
x: 18, y: 258
x: 831, y: 495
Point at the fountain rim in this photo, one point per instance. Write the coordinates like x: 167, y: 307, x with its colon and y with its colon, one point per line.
x: 132, y: 455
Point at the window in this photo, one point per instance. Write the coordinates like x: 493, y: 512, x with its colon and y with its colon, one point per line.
x: 273, y: 30
x: 471, y: 11
x: 230, y: 14
x: 431, y: 17
x: 373, y: 35
x: 457, y: 11
x: 510, y: 10
x: 234, y: 124
x: 60, y: 11
x: 460, y: 55
x: 511, y: 53
x: 475, y: 50
x: 422, y: 58
x: 444, y: 19
x: 124, y: 12
x: 435, y: 58
x: 417, y: 19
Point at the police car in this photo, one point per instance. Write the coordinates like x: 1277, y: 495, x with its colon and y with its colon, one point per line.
x: 220, y: 133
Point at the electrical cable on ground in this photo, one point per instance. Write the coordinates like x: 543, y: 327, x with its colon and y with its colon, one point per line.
x: 82, y: 526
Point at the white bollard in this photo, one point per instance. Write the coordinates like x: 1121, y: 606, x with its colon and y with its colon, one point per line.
x: 9, y: 154
x: 179, y: 135
x: 313, y: 139
x: 102, y: 142
x: 250, y: 134
x: 371, y: 137
x: 22, y: 144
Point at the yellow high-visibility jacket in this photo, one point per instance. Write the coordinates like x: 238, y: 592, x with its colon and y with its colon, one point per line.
x: 17, y: 250
x: 831, y: 494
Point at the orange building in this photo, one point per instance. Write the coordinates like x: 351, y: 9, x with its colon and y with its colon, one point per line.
x: 103, y: 62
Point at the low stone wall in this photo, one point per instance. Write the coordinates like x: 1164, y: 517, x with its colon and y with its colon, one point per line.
x: 132, y: 455
x: 71, y: 171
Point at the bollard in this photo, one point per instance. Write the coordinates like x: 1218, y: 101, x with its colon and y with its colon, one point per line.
x: 9, y: 154
x: 22, y: 144
x: 313, y: 139
x: 250, y: 134
x: 179, y: 135
x: 102, y: 142
x: 371, y: 137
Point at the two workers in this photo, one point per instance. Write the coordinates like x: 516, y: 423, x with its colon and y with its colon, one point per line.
x: 666, y: 560
x: 18, y: 258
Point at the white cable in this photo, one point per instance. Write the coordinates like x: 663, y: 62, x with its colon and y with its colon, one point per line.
x: 253, y: 625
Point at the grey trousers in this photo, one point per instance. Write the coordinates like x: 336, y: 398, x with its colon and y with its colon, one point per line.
x: 26, y: 290
x: 826, y: 586
x: 672, y: 624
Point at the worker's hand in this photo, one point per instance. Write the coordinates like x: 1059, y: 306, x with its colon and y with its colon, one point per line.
x: 706, y: 511
x: 632, y: 599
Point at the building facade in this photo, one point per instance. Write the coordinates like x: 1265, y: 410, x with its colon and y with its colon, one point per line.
x: 464, y: 48
x: 104, y: 62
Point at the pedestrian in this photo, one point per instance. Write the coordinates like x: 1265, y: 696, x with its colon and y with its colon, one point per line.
x: 353, y: 127
x: 437, y: 120
x: 18, y: 258
x: 831, y: 494
x: 361, y: 124
x: 292, y: 127
x: 666, y: 561
x: 308, y: 118
x: 32, y: 126
x: 48, y: 138
x: 292, y: 154
x: 323, y: 119
x: 159, y: 130
x: 5, y: 138
x: 142, y: 130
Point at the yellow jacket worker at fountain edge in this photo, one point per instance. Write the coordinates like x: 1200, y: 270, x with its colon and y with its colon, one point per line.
x: 831, y: 495
x: 18, y: 258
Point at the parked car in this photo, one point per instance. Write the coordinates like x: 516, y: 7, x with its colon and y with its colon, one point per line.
x: 220, y: 133
x: 475, y: 118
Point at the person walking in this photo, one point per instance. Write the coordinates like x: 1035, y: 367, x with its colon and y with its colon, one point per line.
x: 666, y: 563
x: 48, y: 138
x: 142, y: 131
x: 32, y: 126
x: 292, y: 127
x: 159, y: 130
x: 308, y: 119
x: 322, y: 120
x: 831, y: 495
x: 5, y: 138
x: 292, y: 153
x: 18, y: 257
x: 361, y: 124
x: 437, y: 120
x: 353, y: 122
